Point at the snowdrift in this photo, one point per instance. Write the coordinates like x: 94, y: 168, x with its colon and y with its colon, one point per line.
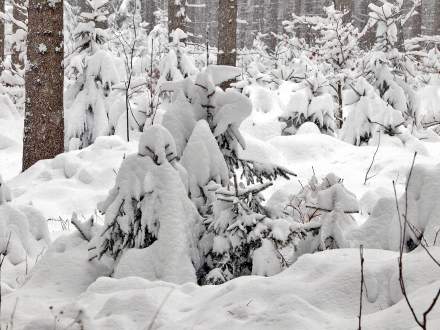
x: 319, y: 290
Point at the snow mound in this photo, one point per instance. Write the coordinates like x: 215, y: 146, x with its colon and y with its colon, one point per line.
x: 158, y: 144
x: 308, y: 128
x: 72, y: 182
x: 11, y: 137
x: 23, y: 232
x: 253, y: 302
x: 429, y: 99
x: 382, y: 228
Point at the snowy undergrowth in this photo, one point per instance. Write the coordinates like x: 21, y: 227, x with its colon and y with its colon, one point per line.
x: 78, y: 180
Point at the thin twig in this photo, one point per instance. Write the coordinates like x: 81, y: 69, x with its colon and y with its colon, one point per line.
x: 421, y: 323
x: 361, y: 253
x: 150, y: 326
x: 372, y: 163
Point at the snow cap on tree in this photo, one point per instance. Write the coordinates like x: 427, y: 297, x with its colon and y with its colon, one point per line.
x: 5, y: 193
x: 203, y: 161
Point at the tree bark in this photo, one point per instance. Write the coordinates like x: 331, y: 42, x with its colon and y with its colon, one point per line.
x: 176, y: 15
x: 2, y: 33
x: 413, y: 27
x: 147, y: 13
x: 227, y: 32
x: 339, y: 114
x: 19, y: 13
x: 227, y: 35
x: 44, y: 123
x: 274, y: 23
x: 345, y: 5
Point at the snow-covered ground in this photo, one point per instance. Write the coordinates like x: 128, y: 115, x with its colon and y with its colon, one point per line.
x: 319, y: 291
x: 115, y: 234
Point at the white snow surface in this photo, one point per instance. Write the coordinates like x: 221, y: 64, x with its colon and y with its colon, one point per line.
x: 319, y: 289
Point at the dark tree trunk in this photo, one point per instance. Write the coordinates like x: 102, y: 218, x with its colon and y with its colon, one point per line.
x: 227, y: 32
x: 345, y: 5
x: 44, y: 123
x: 339, y: 114
x: 273, y: 23
x: 227, y: 35
x: 413, y: 26
x: 297, y: 7
x: 175, y: 18
x: 2, y: 33
x: 148, y: 8
x: 19, y: 13
x: 437, y: 18
x: 342, y: 5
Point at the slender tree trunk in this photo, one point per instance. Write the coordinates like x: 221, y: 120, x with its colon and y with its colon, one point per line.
x: 227, y: 32
x: 44, y: 123
x: 176, y: 15
x: 19, y: 13
x: 2, y: 33
x: 339, y: 114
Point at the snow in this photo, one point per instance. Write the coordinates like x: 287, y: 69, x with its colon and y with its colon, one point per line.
x: 56, y: 187
x: 132, y: 235
x: 172, y: 256
x: 11, y: 126
x: 64, y: 278
x: 158, y: 144
x: 203, y: 161
x: 251, y: 301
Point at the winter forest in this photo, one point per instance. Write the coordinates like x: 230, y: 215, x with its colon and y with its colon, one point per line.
x: 219, y: 164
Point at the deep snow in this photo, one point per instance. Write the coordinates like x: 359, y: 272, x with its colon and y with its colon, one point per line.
x: 319, y: 291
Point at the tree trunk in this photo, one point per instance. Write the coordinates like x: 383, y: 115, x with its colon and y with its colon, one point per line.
x: 176, y: 15
x: 2, y: 33
x: 339, y: 114
x: 342, y: 5
x: 44, y: 123
x: 227, y: 32
x: 345, y: 5
x: 413, y: 27
x: 273, y: 23
x: 19, y: 13
x: 148, y: 8
x: 227, y: 35
x: 430, y: 20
